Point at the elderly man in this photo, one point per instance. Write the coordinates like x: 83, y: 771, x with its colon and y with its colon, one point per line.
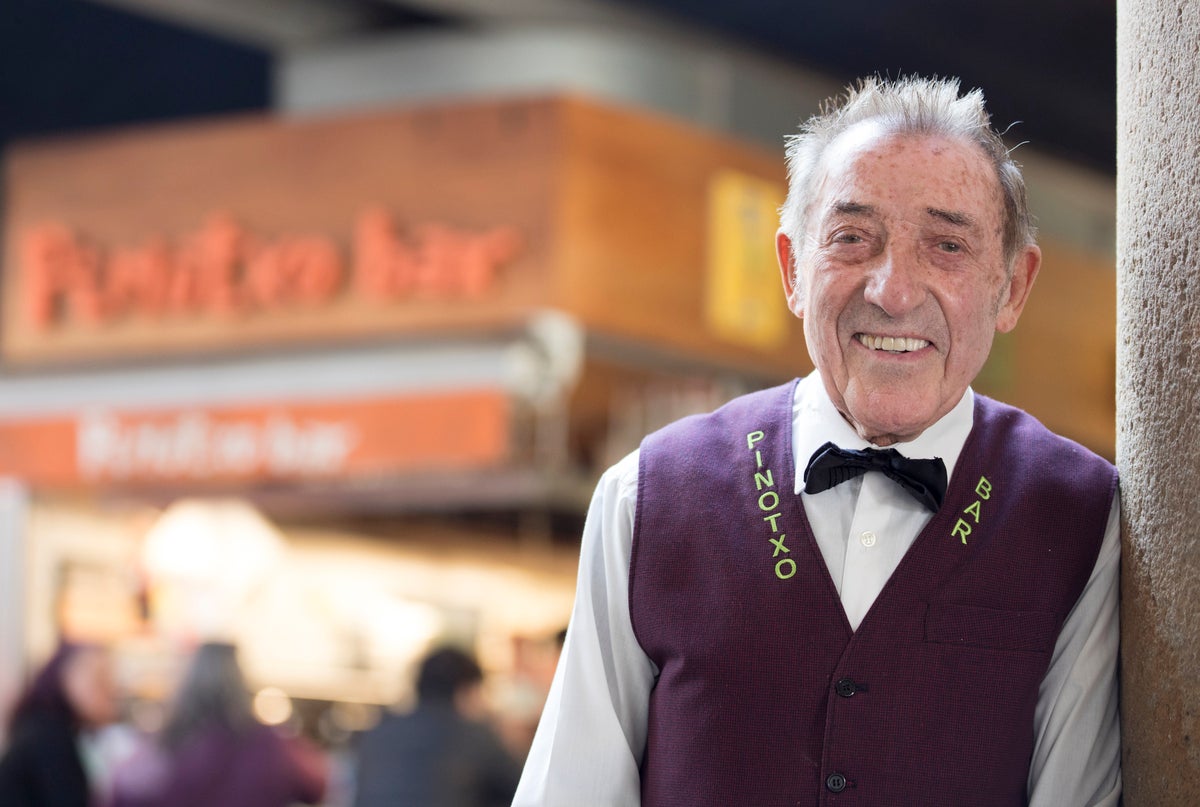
x: 870, y: 586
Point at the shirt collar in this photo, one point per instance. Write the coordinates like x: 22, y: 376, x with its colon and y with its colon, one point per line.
x: 816, y: 421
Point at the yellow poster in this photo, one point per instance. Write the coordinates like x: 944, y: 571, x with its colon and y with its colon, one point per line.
x: 744, y: 301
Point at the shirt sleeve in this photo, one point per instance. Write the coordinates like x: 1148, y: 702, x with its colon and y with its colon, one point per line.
x: 589, y: 743
x: 1077, y: 753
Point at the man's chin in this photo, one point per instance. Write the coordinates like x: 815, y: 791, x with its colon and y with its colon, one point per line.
x: 892, y: 421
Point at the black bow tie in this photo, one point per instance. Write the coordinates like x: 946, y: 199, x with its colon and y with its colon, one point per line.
x: 830, y: 465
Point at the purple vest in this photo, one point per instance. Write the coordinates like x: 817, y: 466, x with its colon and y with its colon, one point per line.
x: 766, y: 697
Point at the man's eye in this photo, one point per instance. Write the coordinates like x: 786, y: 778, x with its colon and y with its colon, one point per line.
x: 847, y: 238
x: 950, y: 246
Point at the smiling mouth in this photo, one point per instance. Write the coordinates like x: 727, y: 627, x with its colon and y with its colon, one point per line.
x: 891, y: 344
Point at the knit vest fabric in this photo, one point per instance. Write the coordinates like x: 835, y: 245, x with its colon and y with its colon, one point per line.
x: 765, y: 695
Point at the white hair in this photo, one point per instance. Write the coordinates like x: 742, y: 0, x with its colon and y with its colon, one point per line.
x: 906, y: 106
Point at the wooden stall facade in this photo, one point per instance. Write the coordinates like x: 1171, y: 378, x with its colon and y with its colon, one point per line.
x: 260, y: 233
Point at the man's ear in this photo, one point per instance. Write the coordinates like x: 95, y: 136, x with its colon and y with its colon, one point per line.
x: 1025, y: 270
x: 787, y: 268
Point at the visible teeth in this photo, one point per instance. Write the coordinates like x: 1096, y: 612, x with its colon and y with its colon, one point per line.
x: 895, y: 344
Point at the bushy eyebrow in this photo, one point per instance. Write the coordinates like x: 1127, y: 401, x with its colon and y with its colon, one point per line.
x: 951, y: 216
x: 854, y: 209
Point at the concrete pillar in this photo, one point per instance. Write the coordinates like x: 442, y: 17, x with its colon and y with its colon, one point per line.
x: 1158, y: 396
x: 14, y: 517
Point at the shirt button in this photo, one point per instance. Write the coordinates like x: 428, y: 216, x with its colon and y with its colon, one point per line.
x: 835, y: 782
x: 846, y: 688
x: 867, y: 538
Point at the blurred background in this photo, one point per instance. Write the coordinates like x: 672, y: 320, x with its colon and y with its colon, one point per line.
x: 321, y: 318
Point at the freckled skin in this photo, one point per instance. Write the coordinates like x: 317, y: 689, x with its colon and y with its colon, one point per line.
x: 903, y: 239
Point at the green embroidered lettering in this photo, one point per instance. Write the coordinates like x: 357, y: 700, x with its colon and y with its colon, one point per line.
x: 768, y: 502
x: 764, y: 479
x: 984, y: 489
x: 973, y: 510
x: 961, y: 529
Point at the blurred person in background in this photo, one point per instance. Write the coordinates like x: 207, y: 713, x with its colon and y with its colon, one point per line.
x: 441, y: 754
x: 43, y: 765
x: 213, y: 751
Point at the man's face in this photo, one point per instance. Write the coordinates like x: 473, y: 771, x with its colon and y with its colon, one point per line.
x: 902, y: 279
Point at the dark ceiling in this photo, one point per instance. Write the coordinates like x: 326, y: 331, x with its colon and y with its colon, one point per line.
x: 1048, y: 67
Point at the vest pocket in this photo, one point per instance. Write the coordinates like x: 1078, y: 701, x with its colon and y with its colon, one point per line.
x: 976, y: 626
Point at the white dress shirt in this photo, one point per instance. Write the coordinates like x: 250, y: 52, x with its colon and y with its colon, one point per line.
x: 590, y: 740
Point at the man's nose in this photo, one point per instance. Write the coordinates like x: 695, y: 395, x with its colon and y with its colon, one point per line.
x: 895, y: 283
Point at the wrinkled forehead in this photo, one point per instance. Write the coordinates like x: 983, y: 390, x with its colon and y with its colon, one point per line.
x: 870, y: 155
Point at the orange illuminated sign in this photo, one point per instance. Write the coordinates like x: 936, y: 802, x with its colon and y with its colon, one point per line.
x: 225, y: 269
x: 445, y: 431
x: 441, y: 220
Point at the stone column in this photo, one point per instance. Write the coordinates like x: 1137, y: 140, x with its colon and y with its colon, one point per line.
x: 14, y: 517
x: 1158, y: 396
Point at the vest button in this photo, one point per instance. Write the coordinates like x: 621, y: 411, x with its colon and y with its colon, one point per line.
x: 835, y: 782
x: 846, y: 688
